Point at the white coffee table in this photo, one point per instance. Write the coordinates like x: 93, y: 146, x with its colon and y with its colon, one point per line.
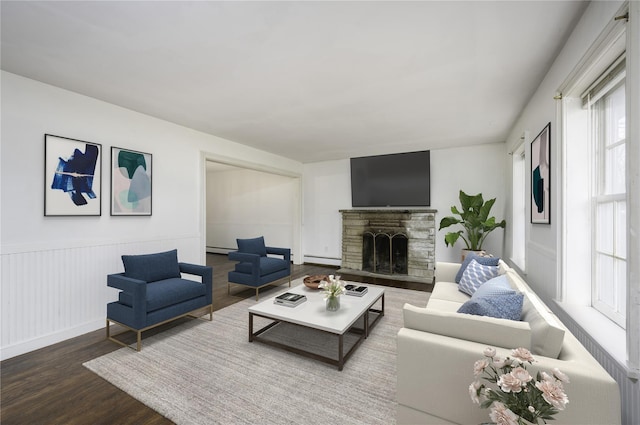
x: 313, y: 314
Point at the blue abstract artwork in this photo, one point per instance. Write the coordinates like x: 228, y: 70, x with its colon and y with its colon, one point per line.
x: 74, y: 175
x: 72, y: 170
x: 130, y: 182
x: 541, y: 177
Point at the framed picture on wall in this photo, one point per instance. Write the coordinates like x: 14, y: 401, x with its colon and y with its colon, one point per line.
x: 541, y: 177
x: 131, y: 173
x: 72, y: 177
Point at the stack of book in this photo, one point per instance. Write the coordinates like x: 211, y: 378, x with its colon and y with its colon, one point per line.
x: 355, y: 290
x: 289, y: 299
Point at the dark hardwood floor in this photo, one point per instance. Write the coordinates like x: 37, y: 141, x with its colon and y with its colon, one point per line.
x: 50, y: 385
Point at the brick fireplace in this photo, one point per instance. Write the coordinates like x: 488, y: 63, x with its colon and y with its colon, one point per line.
x: 394, y: 243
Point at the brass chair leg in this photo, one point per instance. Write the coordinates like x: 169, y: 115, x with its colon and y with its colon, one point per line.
x: 257, y: 296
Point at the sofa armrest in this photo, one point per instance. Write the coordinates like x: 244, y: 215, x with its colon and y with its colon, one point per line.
x: 206, y: 274
x: 428, y: 364
x: 284, y: 252
x: 446, y: 272
x: 480, y: 329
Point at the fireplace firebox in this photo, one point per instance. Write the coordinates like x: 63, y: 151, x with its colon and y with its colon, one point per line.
x: 398, y: 243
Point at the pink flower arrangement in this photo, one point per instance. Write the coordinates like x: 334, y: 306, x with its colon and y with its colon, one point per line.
x: 517, y: 396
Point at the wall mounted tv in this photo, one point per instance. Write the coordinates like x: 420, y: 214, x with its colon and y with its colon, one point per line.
x: 395, y: 180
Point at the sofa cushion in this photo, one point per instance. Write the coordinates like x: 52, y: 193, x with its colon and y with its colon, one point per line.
x: 152, y: 267
x: 448, y: 291
x: 502, y: 306
x: 481, y: 329
x: 167, y: 292
x: 485, y: 261
x: 475, y: 275
x: 252, y: 246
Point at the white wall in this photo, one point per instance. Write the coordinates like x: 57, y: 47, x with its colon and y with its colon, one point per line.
x: 327, y: 189
x: 244, y: 203
x: 54, y: 269
x: 544, y: 246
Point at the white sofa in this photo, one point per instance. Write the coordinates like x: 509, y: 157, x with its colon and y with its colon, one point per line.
x: 437, y: 348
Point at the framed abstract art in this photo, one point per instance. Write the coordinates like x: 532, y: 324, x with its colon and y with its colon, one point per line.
x: 131, y: 174
x: 72, y: 174
x: 541, y: 177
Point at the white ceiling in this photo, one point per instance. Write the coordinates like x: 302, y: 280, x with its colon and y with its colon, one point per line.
x: 311, y: 81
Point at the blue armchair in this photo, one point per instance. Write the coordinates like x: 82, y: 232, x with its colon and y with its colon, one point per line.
x: 152, y: 292
x: 255, y: 268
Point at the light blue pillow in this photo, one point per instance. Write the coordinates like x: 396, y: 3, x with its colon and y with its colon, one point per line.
x: 496, y: 286
x: 475, y: 275
x: 501, y: 306
x: 485, y: 261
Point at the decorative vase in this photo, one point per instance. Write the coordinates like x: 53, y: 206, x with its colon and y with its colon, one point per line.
x: 333, y: 303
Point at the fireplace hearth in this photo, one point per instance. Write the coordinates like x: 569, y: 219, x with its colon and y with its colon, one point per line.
x: 391, y: 243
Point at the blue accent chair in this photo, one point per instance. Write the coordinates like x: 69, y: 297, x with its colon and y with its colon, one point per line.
x: 153, y: 292
x: 255, y: 267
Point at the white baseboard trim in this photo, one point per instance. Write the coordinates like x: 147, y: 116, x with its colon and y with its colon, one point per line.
x: 24, y: 347
x: 323, y: 260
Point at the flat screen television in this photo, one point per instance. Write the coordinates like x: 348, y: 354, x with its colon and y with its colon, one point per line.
x: 395, y: 180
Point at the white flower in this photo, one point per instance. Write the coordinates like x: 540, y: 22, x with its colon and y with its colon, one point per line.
x: 523, y: 355
x: 499, y: 362
x: 501, y: 415
x: 509, y: 383
x: 561, y: 376
x: 473, y: 391
x: 479, y: 366
x: 489, y: 352
x: 553, y: 393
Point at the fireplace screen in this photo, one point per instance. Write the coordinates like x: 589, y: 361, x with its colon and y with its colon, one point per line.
x: 384, y: 253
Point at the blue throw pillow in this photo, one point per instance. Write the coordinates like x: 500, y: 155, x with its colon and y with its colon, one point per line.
x: 501, y: 306
x: 485, y: 261
x: 496, y: 286
x: 252, y: 246
x: 475, y: 275
x: 152, y: 267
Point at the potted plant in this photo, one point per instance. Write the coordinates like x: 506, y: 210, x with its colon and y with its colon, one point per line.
x: 475, y: 220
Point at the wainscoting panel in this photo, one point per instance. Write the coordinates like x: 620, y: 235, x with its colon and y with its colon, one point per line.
x: 629, y: 388
x: 51, y: 294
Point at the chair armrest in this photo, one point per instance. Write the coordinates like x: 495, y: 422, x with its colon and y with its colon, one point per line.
x: 244, y: 257
x: 254, y: 259
x: 285, y: 252
x: 205, y: 272
x: 136, y: 287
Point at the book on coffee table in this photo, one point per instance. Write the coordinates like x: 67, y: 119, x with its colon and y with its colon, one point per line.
x: 289, y: 299
x: 355, y: 290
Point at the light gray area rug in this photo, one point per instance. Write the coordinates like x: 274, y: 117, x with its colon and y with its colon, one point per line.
x: 205, y: 372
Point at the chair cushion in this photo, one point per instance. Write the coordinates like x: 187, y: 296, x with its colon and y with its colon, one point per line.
x: 152, y: 267
x: 167, y: 292
x: 252, y: 246
x: 485, y: 261
x: 268, y: 265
